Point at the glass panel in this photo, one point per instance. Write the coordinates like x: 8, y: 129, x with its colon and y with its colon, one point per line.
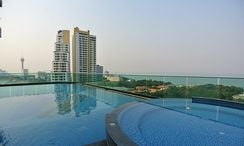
x: 203, y: 87
x: 231, y: 89
x: 5, y: 91
x: 152, y: 86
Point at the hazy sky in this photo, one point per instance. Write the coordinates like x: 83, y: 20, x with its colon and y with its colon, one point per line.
x: 133, y: 36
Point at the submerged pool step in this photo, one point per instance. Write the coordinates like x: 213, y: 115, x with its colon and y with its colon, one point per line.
x: 144, y: 124
x: 115, y: 135
x: 99, y: 143
x: 138, y: 113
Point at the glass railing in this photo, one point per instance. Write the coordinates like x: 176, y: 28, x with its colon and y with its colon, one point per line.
x: 155, y: 86
x: 43, y: 77
x: 20, y: 78
x: 150, y: 86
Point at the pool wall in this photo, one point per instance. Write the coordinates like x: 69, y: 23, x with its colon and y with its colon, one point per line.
x: 218, y: 102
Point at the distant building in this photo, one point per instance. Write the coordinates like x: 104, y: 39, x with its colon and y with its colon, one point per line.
x: 3, y: 73
x: 99, y: 69
x: 22, y: 64
x: 26, y: 72
x: 84, y: 54
x: 23, y: 69
x: 61, y: 62
x: 106, y: 73
x: 1, y: 4
x: 113, y: 78
x: 42, y: 76
x: 99, y: 76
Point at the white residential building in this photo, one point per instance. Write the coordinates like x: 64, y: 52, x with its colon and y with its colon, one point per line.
x: 83, y: 55
x: 61, y: 62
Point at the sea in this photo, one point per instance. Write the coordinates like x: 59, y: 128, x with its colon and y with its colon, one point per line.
x: 191, y: 80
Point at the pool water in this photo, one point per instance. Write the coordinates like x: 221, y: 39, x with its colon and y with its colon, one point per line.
x: 180, y: 122
x: 230, y: 116
x: 60, y: 114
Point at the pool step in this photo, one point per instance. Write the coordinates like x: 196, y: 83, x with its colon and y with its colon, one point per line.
x: 99, y: 143
x: 115, y: 134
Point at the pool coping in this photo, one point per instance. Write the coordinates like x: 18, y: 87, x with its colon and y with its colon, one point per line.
x: 123, y: 92
x: 41, y: 83
x: 115, y: 135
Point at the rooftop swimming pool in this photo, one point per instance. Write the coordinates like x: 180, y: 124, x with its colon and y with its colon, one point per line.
x: 55, y: 114
x: 181, y: 122
x: 73, y: 114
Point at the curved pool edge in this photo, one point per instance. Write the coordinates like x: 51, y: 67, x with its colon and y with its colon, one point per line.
x: 146, y: 124
x: 115, y: 135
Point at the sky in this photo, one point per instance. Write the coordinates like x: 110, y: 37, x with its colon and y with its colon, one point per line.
x: 194, y: 37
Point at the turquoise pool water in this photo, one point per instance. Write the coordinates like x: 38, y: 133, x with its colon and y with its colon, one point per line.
x: 60, y: 114
x: 181, y: 122
x: 230, y: 116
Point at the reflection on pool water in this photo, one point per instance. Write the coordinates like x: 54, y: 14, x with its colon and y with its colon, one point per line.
x: 60, y: 114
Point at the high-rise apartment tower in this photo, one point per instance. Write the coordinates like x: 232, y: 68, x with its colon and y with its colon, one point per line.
x: 84, y: 53
x: 1, y: 4
x: 61, y: 62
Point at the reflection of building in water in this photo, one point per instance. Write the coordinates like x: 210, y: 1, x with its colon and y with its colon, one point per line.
x: 111, y: 100
x: 84, y: 100
x: 63, y: 98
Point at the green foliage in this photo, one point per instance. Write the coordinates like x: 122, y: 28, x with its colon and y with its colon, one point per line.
x: 176, y: 92
x: 172, y: 91
x: 226, y: 92
x: 208, y: 90
x: 131, y: 83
